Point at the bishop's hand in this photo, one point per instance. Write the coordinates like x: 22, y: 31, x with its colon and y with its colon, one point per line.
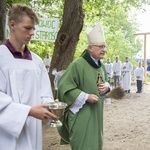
x: 92, y: 98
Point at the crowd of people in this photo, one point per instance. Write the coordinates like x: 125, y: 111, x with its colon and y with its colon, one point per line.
x: 120, y: 74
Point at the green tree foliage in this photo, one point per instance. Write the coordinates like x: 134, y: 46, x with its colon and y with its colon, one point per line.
x: 119, y: 29
x: 10, y: 2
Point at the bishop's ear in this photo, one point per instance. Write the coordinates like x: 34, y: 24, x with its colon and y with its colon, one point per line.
x: 90, y: 47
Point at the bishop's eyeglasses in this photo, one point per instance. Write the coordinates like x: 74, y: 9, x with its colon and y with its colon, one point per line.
x: 100, y: 46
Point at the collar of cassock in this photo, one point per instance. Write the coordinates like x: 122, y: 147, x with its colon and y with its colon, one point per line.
x: 88, y: 58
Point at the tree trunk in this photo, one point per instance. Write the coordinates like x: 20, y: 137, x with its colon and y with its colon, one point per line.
x: 67, y: 36
x: 2, y: 20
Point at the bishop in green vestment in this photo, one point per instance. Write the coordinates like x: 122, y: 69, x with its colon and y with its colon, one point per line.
x: 83, y: 118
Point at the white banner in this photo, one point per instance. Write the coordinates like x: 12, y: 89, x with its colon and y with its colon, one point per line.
x: 46, y: 30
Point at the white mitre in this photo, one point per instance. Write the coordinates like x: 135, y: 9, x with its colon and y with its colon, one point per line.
x: 95, y: 35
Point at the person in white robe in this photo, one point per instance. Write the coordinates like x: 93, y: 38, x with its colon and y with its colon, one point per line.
x: 47, y: 62
x: 24, y: 85
x: 117, y: 71
x: 139, y: 75
x: 126, y: 69
x: 109, y: 69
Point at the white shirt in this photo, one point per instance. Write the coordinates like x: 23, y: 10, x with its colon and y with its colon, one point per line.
x: 117, y: 68
x: 139, y: 73
x: 23, y: 84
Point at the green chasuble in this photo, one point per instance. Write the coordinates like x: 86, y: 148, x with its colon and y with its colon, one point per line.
x: 83, y: 130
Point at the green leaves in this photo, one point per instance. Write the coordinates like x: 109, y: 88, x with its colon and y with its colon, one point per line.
x: 118, y: 27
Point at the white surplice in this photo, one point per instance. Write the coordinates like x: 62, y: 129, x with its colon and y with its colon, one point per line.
x: 126, y: 75
x: 109, y: 69
x: 23, y: 83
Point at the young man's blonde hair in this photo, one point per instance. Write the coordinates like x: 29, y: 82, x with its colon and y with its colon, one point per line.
x: 17, y: 11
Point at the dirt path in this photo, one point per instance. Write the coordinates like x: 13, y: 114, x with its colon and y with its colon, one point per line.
x: 126, y: 124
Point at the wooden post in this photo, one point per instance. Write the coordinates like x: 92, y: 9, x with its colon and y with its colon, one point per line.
x: 145, y: 60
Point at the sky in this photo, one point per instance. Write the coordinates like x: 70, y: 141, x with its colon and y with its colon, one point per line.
x: 143, y: 19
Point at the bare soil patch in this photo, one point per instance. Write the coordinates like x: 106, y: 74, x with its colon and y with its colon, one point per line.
x: 126, y: 124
